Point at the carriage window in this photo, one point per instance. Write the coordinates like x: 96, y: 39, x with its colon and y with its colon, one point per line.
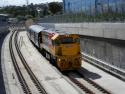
x: 40, y: 39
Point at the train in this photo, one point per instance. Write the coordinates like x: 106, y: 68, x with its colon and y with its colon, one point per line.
x: 61, y: 49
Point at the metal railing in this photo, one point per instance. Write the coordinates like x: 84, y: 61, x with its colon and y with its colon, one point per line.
x: 81, y: 17
x: 116, y: 71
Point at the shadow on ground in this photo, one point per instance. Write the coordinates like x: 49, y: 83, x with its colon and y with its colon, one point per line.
x: 90, y: 74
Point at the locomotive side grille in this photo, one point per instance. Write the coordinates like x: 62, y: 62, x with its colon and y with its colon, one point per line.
x: 60, y: 51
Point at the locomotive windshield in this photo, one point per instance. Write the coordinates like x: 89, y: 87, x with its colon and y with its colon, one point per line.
x: 66, y: 40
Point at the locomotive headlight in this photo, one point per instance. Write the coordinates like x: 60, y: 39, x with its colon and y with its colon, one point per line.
x: 59, y: 59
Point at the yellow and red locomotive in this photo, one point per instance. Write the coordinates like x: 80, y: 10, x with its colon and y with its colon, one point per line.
x: 61, y: 49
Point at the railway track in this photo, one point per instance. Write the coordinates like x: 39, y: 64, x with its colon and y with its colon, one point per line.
x: 16, y: 67
x: 86, y: 84
x: 80, y: 85
x: 23, y: 83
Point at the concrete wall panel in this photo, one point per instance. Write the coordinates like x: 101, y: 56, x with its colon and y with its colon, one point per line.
x: 105, y: 30
x: 109, y: 51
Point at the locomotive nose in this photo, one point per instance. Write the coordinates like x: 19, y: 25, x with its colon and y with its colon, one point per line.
x: 69, y: 63
x: 70, y: 49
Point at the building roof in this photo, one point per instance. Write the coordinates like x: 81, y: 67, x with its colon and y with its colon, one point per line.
x: 4, y: 15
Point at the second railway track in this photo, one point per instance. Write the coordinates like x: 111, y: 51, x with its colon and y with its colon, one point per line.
x: 86, y: 84
x: 22, y: 79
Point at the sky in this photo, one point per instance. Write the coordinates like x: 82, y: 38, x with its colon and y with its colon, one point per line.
x: 22, y: 2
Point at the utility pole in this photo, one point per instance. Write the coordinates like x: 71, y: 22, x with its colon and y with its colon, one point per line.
x: 81, y: 5
x: 64, y: 6
x: 108, y: 6
x: 3, y: 3
x: 95, y: 7
x: 27, y: 2
x: 85, y: 7
x: 90, y: 8
x: 116, y: 6
x: 122, y: 6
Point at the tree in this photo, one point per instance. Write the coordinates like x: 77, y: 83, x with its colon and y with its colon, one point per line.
x: 55, y: 7
x: 45, y: 11
x: 20, y: 18
x: 32, y: 10
x: 28, y: 17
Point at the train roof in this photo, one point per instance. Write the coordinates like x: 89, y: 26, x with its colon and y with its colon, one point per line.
x: 51, y: 27
x: 47, y: 25
x: 36, y: 28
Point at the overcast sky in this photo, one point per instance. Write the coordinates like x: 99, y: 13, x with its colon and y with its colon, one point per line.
x: 22, y: 2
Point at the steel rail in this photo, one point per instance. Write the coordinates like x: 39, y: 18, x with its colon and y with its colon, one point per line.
x: 81, y: 86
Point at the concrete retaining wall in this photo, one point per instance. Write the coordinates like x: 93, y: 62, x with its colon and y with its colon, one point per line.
x: 105, y: 30
x: 110, y: 51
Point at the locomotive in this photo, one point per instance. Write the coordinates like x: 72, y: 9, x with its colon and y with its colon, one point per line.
x: 63, y: 50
